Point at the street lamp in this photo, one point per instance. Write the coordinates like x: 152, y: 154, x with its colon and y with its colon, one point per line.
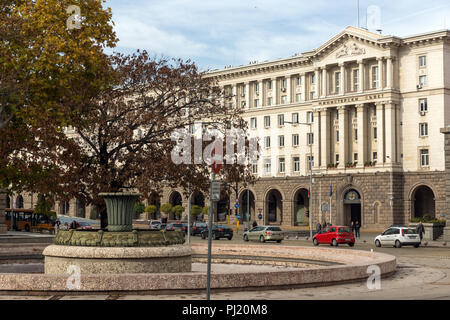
x: 310, y: 171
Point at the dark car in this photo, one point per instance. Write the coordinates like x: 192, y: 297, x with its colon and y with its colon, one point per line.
x: 175, y: 226
x: 198, y: 227
x: 218, y: 231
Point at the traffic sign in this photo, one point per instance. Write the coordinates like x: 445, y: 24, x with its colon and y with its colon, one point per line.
x: 236, y: 205
x: 238, y: 217
x: 260, y: 216
x: 215, y: 188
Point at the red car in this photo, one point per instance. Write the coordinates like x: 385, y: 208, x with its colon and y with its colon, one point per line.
x: 334, y: 235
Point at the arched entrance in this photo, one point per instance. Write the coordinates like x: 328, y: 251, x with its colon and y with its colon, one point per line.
x: 301, y: 206
x: 19, y: 202
x: 352, y: 207
x: 244, y: 205
x: 423, y: 202
x: 8, y: 202
x: 274, y: 209
x: 64, y: 208
x: 175, y: 199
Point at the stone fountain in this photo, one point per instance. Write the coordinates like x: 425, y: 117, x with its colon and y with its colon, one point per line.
x: 120, y: 249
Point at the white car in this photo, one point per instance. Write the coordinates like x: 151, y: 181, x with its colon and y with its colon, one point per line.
x: 398, y: 237
x: 155, y: 224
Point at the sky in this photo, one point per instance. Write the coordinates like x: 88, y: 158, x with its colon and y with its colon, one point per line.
x: 218, y: 33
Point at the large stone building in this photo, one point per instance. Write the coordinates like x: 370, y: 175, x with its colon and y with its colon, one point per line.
x: 375, y: 105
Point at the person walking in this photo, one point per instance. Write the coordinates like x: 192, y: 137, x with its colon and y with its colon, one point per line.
x: 357, y: 226
x: 420, y: 230
x: 353, y: 226
x: 318, y: 227
x: 255, y: 224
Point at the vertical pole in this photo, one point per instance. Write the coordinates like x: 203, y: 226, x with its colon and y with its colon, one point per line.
x: 189, y: 214
x: 310, y: 183
x: 208, y: 271
x: 330, y: 206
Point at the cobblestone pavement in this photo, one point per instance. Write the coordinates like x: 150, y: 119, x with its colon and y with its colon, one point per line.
x: 423, y: 273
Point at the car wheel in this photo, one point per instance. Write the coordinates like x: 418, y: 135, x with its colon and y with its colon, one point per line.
x: 245, y: 238
x: 378, y: 243
x: 278, y: 241
x: 261, y: 239
x: 316, y: 242
x: 398, y: 244
x: 229, y: 238
x: 351, y: 244
x: 417, y: 245
x: 214, y: 236
x: 334, y: 243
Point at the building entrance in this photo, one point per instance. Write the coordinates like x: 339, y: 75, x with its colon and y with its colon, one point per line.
x: 352, y: 208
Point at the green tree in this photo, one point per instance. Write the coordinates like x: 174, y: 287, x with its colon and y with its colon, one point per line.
x: 139, y: 208
x: 151, y: 211
x: 178, y: 211
x: 44, y: 205
x: 166, y: 208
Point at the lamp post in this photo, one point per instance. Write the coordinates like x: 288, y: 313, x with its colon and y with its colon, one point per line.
x: 310, y: 171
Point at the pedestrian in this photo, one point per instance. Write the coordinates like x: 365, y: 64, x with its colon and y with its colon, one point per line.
x: 352, y: 225
x: 56, y: 226
x: 318, y: 227
x: 357, y: 226
x: 255, y: 224
x: 420, y: 229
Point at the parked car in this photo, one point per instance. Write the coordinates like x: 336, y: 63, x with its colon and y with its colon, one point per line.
x: 264, y: 233
x: 174, y: 227
x: 185, y: 227
x: 398, y: 237
x: 334, y: 235
x: 82, y: 225
x: 198, y: 227
x: 154, y: 224
x: 162, y: 226
x: 218, y: 231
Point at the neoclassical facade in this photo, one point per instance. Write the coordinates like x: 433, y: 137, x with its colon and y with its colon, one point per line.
x: 365, y: 110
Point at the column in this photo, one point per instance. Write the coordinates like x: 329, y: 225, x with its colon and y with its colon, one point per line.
x: 261, y: 93
x: 247, y: 95
x: 316, y: 145
x: 380, y: 73
x: 362, y: 134
x: 325, y: 138
x: 275, y: 91
x: 390, y: 125
x: 234, y: 98
x: 380, y: 134
x: 317, y: 86
x: 289, y: 89
x: 342, y: 79
x: 343, y: 136
x: 324, y: 82
x: 389, y: 73
x: 361, y: 76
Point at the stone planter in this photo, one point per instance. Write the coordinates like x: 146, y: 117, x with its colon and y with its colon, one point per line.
x: 432, y: 230
x: 120, y: 209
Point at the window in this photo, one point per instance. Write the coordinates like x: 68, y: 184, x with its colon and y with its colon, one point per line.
x: 296, y: 164
x: 423, y: 105
x: 267, y: 166
x: 230, y: 105
x: 355, y: 158
x: 283, y: 83
x: 313, y: 78
x: 298, y: 97
x: 424, y: 158
x: 244, y: 87
x: 269, y: 101
x: 295, y: 140
x: 281, y: 141
x: 423, y: 129
x: 257, y: 88
x: 267, y: 142
x: 423, y: 81
x: 243, y: 104
x: 255, y: 167
x: 281, y: 120
x: 375, y: 77
x: 295, y: 118
x: 283, y: 99
x: 337, y: 158
x: 309, y: 117
x: 310, y: 163
x: 375, y: 133
x: 267, y: 121
x: 253, y: 123
x: 355, y: 80
x: 312, y: 95
x: 298, y: 81
x: 256, y: 103
x: 374, y: 156
x: 356, y: 134
x: 337, y: 82
x: 269, y: 84
x: 310, y: 138
x: 422, y: 61
x: 282, y: 167
x: 337, y: 135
